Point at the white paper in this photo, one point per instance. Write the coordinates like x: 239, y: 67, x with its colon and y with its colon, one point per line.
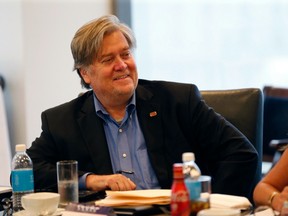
x: 135, y: 198
x: 151, y: 193
x: 160, y: 196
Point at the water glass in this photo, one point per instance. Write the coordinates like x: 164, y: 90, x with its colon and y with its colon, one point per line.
x: 205, y: 188
x: 199, y: 191
x: 67, y: 179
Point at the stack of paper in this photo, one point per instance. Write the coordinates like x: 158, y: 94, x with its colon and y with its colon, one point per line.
x: 136, y: 198
x: 162, y: 197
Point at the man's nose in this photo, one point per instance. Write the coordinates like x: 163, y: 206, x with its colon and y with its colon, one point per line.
x: 120, y: 64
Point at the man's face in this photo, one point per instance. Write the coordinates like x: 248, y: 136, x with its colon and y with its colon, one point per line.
x: 113, y: 75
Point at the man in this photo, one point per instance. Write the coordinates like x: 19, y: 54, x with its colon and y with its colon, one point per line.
x: 126, y: 134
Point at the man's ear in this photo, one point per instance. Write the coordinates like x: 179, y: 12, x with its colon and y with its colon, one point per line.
x: 85, y: 75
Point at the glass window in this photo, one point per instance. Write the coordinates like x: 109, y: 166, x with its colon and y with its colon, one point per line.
x: 216, y: 44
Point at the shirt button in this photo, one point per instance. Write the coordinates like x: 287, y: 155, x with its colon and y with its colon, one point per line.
x: 124, y: 155
x: 120, y: 130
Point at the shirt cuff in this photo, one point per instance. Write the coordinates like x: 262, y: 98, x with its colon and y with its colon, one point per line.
x: 82, y: 181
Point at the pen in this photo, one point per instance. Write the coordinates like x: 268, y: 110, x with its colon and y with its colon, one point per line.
x: 125, y: 172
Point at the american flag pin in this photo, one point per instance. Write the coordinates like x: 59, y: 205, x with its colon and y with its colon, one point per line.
x: 152, y: 114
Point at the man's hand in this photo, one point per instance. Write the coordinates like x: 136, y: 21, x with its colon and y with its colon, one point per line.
x: 116, y: 182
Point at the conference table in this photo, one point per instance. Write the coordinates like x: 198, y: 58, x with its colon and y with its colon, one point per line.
x: 88, y: 198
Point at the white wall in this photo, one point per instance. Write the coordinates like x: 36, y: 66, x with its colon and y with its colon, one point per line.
x: 10, y: 67
x: 35, y: 58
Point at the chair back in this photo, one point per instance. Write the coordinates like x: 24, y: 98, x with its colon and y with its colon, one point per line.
x: 244, y: 109
x: 275, y: 119
x: 272, y: 91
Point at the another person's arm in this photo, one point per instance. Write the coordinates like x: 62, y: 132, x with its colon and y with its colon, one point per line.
x: 272, y: 190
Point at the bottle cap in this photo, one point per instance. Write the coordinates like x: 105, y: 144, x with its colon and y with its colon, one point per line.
x: 178, y: 171
x: 188, y: 156
x: 20, y: 147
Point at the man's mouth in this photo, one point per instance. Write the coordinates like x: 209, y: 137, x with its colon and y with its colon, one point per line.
x: 121, y: 77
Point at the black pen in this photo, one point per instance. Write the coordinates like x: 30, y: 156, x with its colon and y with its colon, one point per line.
x: 125, y: 172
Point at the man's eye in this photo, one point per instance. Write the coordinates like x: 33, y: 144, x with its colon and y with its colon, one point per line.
x: 106, y: 60
x: 126, y: 55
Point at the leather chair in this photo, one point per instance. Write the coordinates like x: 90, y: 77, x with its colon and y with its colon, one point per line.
x: 244, y: 109
x: 272, y: 91
x: 275, y: 129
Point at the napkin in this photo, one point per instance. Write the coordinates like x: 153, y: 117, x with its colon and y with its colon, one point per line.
x: 229, y: 201
x: 136, y: 198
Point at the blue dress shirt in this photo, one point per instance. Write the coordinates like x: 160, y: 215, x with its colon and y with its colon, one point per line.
x: 127, y: 147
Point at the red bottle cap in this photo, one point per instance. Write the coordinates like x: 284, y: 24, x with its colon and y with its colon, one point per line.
x: 178, y: 171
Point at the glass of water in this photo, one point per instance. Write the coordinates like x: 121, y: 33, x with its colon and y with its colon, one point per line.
x: 67, y: 180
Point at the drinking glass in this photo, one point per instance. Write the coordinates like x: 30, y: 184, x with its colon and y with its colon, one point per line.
x: 67, y: 179
x: 200, y: 191
x: 205, y: 188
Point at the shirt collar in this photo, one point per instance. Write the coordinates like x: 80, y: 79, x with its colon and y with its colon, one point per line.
x: 101, y: 110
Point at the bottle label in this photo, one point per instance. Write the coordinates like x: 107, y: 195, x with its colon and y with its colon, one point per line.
x: 194, y: 188
x: 180, y: 204
x: 22, y: 180
x: 180, y: 196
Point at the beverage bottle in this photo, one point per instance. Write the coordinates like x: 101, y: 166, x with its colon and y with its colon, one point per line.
x: 192, y: 176
x: 21, y: 176
x: 179, y: 193
x: 190, y: 168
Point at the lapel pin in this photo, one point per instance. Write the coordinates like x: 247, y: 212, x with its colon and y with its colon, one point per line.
x: 152, y: 114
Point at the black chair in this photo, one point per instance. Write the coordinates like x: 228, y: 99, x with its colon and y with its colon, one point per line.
x: 275, y: 130
x: 244, y: 109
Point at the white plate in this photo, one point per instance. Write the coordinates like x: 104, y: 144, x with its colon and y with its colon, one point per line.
x: 25, y: 213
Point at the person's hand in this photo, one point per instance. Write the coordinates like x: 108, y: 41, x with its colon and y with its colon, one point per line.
x: 116, y: 182
x: 278, y: 201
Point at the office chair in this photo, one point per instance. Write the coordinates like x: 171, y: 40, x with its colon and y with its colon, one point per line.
x: 275, y: 130
x: 244, y: 109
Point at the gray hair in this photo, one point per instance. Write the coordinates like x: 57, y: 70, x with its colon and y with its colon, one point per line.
x: 87, y: 41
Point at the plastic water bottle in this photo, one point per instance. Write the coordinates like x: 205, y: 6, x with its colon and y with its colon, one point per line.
x: 190, y: 168
x: 22, y: 176
x: 192, y: 175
